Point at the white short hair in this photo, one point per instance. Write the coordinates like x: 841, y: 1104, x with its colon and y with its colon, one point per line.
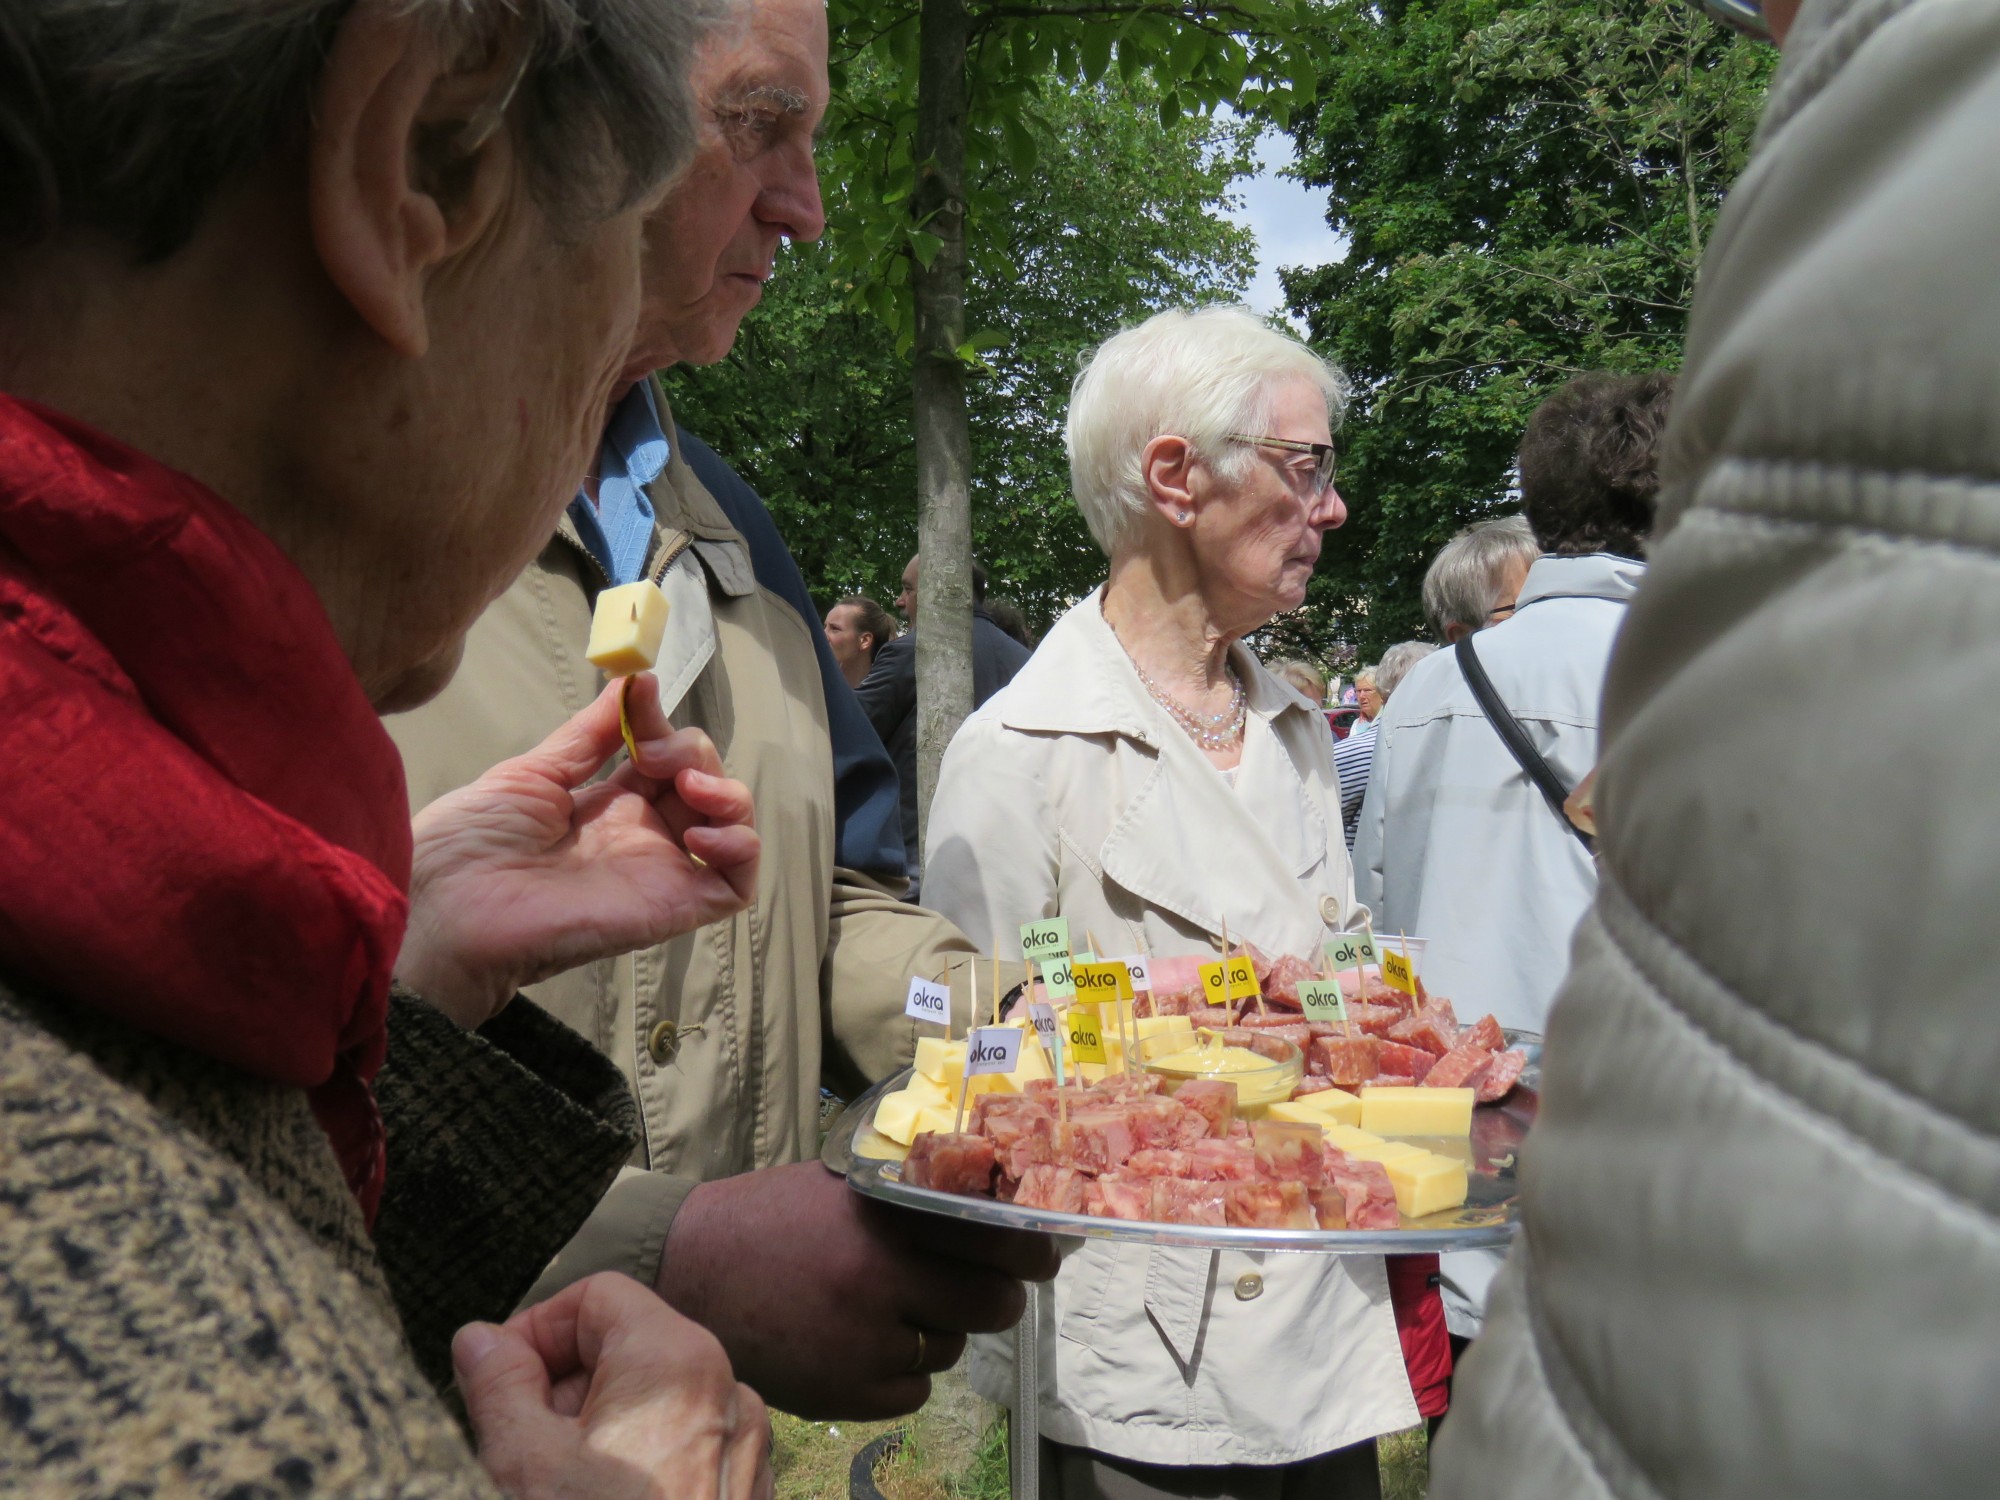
x: 1198, y: 374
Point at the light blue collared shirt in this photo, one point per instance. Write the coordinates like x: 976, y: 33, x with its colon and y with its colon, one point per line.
x: 618, y: 529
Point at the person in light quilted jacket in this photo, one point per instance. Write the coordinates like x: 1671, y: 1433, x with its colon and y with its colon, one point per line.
x: 1761, y: 1255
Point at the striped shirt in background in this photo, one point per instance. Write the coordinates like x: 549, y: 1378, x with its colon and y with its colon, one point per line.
x: 1351, y: 759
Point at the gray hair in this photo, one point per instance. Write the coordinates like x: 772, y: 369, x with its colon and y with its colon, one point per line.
x: 126, y: 116
x: 1303, y: 675
x: 1463, y: 583
x: 1396, y: 663
x: 1195, y: 374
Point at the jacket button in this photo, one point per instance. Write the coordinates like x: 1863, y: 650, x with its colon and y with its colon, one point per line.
x: 1329, y: 909
x: 663, y: 1042
x: 1249, y: 1286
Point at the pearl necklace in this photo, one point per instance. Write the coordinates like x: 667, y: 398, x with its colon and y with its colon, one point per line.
x: 1210, y: 731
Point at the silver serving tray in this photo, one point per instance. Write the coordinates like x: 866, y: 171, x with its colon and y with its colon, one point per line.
x: 1487, y: 1220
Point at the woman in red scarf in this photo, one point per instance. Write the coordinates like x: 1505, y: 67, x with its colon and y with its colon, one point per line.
x: 308, y: 316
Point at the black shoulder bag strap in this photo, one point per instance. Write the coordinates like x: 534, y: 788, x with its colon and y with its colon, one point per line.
x: 1516, y: 739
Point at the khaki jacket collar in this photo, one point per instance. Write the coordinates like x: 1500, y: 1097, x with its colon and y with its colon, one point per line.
x: 1180, y: 818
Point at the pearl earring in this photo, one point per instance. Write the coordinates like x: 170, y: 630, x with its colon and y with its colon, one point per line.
x: 1184, y: 517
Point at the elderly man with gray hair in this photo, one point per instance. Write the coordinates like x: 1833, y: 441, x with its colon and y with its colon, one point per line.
x: 1477, y: 575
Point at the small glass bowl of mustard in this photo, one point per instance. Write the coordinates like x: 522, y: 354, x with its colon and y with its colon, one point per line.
x: 1265, y: 1069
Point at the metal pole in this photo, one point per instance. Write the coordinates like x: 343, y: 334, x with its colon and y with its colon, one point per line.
x: 1024, y: 1431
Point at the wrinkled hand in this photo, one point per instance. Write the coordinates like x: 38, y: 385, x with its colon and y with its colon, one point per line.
x: 604, y: 1391
x: 534, y: 868
x: 818, y: 1293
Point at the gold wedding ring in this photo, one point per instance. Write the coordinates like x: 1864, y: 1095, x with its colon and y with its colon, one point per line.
x: 923, y: 1352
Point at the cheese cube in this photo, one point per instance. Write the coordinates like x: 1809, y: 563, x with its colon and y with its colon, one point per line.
x: 1296, y: 1112
x: 941, y: 1060
x: 1152, y: 1026
x: 896, y: 1115
x: 1417, y: 1111
x: 1426, y: 1183
x: 1336, y: 1105
x: 872, y: 1143
x: 627, y: 627
x: 1032, y: 1064
x: 928, y: 1090
x: 1386, y: 1152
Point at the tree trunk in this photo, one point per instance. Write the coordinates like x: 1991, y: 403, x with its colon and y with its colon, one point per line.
x: 943, y: 431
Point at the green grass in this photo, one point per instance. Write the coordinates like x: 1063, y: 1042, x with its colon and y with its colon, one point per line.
x: 955, y: 1448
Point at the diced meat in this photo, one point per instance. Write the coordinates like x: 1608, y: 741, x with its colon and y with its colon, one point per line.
x: 1162, y: 1122
x: 1406, y: 1064
x: 1329, y: 1205
x: 1372, y: 1020
x: 1485, y: 1032
x: 1268, y: 1205
x: 1460, y: 1068
x: 1214, y: 1017
x: 1178, y: 1200
x: 1051, y: 1187
x: 1311, y: 1084
x: 1239, y: 1130
x: 1344, y: 1061
x: 1022, y: 1138
x: 1123, y: 1196
x: 1433, y: 1030
x: 1280, y: 980
x: 1213, y: 1099
x: 949, y: 1163
x: 1368, y: 1198
x: 1220, y: 1161
x: 1098, y: 1139
x: 1004, y: 1186
x: 1288, y: 1151
x: 1154, y: 1162
x: 1501, y: 1074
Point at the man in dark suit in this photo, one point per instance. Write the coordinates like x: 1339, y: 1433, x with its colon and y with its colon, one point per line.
x: 889, y: 692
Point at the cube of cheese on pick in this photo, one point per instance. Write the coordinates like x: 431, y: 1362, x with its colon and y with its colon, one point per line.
x: 1426, y: 1183
x: 941, y: 1060
x: 896, y: 1115
x: 929, y: 1090
x: 627, y: 627
x: 1417, y: 1111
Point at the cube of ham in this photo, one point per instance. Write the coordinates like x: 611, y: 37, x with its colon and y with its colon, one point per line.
x: 1021, y: 1138
x: 1220, y: 1161
x: 1268, y: 1205
x: 1098, y: 1138
x: 1500, y: 1076
x: 1212, y: 1099
x: 1178, y: 1200
x: 1288, y: 1151
x: 1058, y: 1188
x: 1329, y: 1206
x: 951, y: 1163
x: 1368, y: 1197
x: 1344, y: 1061
x: 1404, y: 1063
x: 1121, y: 1195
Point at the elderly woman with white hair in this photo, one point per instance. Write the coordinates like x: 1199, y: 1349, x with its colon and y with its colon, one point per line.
x: 1147, y: 779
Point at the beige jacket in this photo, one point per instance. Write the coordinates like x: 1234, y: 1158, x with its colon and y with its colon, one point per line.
x: 726, y: 1032
x: 1072, y: 794
x: 1761, y: 1254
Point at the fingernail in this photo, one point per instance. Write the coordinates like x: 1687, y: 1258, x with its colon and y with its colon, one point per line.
x: 473, y: 1343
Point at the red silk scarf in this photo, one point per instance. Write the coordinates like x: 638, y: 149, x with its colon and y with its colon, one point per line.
x: 204, y: 831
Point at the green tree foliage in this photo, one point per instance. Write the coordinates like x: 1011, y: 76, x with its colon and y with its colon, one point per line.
x: 1527, y: 186
x: 1116, y: 215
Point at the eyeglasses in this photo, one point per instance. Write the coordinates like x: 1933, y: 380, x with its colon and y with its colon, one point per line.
x: 1746, y: 16
x: 1322, y: 454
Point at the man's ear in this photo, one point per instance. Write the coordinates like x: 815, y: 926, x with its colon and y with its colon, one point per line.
x: 1167, y: 465
x: 397, y: 184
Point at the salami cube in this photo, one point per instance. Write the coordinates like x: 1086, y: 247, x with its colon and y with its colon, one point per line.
x: 1178, y: 1200
x: 1268, y: 1205
x: 1459, y: 1068
x: 1500, y: 1076
x: 1485, y: 1032
x: 1213, y: 1099
x: 1058, y: 1188
x: 949, y: 1163
x: 1124, y: 1196
x: 1280, y: 982
x: 1311, y: 1084
x: 1342, y: 1061
x: 1372, y: 1020
x: 1400, y: 1062
x: 1431, y: 1031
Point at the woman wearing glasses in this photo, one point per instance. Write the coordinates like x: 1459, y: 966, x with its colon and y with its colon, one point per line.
x: 1146, y: 778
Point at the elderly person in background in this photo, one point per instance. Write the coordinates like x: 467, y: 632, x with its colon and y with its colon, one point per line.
x: 1308, y: 680
x: 1367, y: 697
x: 1353, y: 756
x: 295, y: 381
x: 1477, y: 575
x: 856, y: 628
x: 1146, y: 778
x: 1456, y: 843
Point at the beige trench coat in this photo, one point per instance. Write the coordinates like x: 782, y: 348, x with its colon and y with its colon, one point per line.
x: 1072, y: 794
x: 723, y: 1033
